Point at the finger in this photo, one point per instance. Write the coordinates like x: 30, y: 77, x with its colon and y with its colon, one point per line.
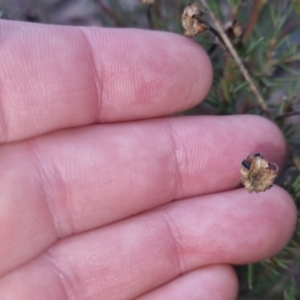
x: 131, y: 257
x: 59, y: 77
x: 209, y: 283
x: 78, y: 180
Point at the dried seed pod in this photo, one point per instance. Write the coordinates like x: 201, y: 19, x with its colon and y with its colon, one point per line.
x: 257, y: 173
x: 190, y: 21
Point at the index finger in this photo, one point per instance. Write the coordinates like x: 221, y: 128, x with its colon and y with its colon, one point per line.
x: 55, y: 77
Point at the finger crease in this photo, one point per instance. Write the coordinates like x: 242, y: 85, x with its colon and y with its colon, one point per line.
x: 63, y: 277
x: 179, y: 161
x: 49, y: 187
x: 174, y: 234
x: 97, y: 80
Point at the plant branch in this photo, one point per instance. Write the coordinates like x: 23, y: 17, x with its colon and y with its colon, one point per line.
x: 237, y: 59
x: 289, y: 114
x: 255, y: 13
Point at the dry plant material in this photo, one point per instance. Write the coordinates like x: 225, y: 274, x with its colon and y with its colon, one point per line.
x: 234, y: 31
x: 193, y: 25
x: 258, y: 174
x: 191, y: 22
x: 238, y: 60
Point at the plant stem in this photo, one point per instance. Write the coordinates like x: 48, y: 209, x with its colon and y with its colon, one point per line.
x: 256, y: 10
x: 238, y: 60
x: 149, y: 16
x: 289, y: 114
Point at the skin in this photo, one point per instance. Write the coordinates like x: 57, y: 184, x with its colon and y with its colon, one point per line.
x: 93, y: 207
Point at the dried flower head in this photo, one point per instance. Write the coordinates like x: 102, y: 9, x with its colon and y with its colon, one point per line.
x: 191, y: 22
x: 257, y: 173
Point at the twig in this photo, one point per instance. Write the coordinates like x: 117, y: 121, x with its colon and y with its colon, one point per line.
x: 289, y: 114
x: 256, y: 10
x: 295, y: 158
x: 214, y: 32
x: 237, y: 59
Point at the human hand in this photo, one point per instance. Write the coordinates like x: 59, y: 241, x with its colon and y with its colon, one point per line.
x: 89, y: 175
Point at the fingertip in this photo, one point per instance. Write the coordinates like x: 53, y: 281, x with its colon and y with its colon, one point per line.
x: 209, y: 283
x: 214, y: 147
x: 286, y: 209
x: 155, y: 73
x: 236, y: 227
x: 272, y: 138
x: 79, y: 76
x: 273, y: 216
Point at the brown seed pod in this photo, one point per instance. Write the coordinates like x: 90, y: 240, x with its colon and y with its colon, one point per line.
x: 257, y: 173
x: 190, y: 21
